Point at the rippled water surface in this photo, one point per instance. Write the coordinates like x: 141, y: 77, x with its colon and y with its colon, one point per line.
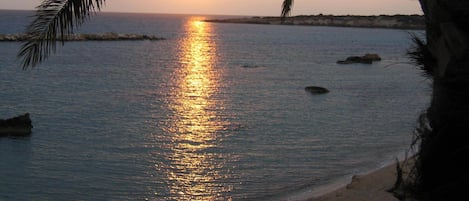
x: 215, y: 112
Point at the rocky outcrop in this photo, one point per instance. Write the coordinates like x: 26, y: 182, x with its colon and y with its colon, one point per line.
x: 85, y: 37
x: 17, y: 126
x: 379, y: 21
x: 316, y: 90
x: 366, y: 59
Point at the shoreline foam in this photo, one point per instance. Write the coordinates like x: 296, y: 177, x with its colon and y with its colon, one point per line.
x: 371, y: 186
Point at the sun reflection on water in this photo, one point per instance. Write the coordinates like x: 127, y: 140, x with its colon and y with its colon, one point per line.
x: 196, y: 170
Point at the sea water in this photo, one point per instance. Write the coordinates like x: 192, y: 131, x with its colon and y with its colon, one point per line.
x: 215, y: 112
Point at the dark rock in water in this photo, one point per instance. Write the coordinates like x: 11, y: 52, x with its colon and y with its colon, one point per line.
x: 250, y: 66
x: 17, y: 126
x: 355, y: 60
x: 366, y: 59
x: 372, y: 57
x: 316, y: 90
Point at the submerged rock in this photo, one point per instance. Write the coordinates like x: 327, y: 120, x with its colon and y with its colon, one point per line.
x: 17, y: 126
x: 316, y: 90
x: 372, y: 57
x: 366, y: 59
x: 250, y: 66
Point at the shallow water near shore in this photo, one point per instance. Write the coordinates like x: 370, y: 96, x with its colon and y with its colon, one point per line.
x: 215, y: 112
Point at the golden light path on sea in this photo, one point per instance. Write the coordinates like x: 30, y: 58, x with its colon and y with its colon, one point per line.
x: 194, y: 171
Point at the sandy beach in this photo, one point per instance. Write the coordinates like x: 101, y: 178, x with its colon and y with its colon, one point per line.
x: 371, y: 186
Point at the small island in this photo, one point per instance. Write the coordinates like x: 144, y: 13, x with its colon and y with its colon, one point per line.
x: 111, y: 36
x: 415, y: 22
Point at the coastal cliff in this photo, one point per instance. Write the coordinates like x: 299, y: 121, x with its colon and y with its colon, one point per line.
x: 379, y: 21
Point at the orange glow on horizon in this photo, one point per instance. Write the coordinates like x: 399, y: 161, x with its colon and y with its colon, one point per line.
x: 248, y: 7
x: 266, y: 7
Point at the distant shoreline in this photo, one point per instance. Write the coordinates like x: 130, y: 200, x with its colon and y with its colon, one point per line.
x: 85, y: 37
x: 413, y: 22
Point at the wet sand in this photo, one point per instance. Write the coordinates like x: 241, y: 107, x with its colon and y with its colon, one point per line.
x: 368, y: 187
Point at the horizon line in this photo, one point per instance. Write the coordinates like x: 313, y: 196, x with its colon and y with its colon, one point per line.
x: 244, y: 15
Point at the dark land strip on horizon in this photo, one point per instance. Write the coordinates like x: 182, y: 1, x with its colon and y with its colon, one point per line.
x: 414, y: 22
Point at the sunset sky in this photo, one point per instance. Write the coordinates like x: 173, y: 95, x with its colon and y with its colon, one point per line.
x: 247, y: 7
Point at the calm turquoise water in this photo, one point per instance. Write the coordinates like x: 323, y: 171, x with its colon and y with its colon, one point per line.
x: 215, y: 112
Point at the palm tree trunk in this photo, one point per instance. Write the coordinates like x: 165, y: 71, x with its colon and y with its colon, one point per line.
x: 441, y: 170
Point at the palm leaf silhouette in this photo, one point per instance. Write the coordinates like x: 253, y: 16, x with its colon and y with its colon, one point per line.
x: 54, y: 20
x: 286, y: 9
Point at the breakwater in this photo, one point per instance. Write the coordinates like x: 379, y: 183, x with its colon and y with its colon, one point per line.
x: 378, y: 21
x: 85, y: 37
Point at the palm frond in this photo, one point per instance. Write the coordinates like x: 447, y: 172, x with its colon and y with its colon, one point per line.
x: 286, y: 9
x: 54, y: 19
x: 421, y: 56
